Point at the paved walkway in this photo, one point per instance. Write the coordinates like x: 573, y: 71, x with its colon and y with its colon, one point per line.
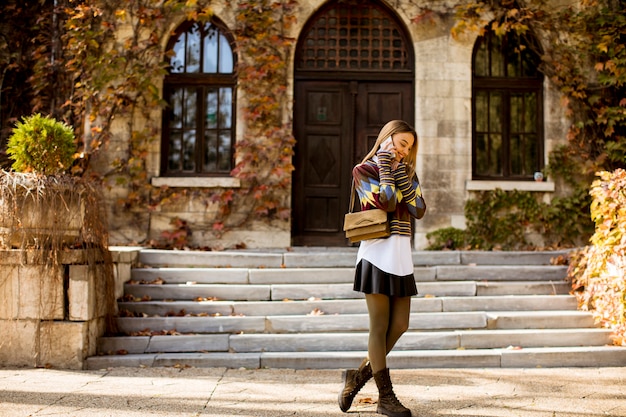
x: 130, y: 392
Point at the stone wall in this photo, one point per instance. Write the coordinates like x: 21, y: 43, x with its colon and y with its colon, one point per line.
x: 443, y: 91
x: 52, y: 315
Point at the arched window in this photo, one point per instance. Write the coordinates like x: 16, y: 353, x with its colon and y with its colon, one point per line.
x: 199, y: 120
x: 507, y: 108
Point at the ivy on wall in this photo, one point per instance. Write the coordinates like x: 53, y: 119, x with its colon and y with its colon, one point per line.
x: 583, y: 55
x: 108, y: 61
x: 99, y: 63
x: 264, y: 153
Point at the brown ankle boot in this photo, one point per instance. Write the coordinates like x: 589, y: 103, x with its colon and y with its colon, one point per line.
x: 353, y: 381
x: 388, y: 404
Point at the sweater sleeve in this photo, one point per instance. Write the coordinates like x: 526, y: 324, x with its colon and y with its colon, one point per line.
x: 388, y: 196
x: 380, y: 186
x: 375, y: 184
x: 411, y: 191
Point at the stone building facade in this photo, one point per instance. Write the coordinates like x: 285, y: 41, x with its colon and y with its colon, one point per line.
x: 485, y: 116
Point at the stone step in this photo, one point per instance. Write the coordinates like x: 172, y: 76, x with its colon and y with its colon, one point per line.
x: 223, y: 259
x: 321, y: 342
x: 331, y: 257
x: 511, y: 257
x: 296, y: 309
x: 190, y: 291
x: 575, y: 356
x: 522, y: 288
x: 278, y: 292
x: 356, y: 306
x: 355, y: 322
x: 501, y: 273
x: 306, y: 276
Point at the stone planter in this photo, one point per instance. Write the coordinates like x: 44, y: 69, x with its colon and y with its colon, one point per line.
x: 37, y: 223
x: 38, y: 211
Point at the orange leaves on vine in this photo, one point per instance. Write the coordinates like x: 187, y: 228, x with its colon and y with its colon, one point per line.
x: 218, y: 226
x: 264, y: 153
x: 598, y: 272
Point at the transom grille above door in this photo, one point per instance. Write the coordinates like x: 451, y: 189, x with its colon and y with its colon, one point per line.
x: 354, y: 35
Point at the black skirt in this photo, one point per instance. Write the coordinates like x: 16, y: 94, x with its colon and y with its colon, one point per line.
x: 371, y: 280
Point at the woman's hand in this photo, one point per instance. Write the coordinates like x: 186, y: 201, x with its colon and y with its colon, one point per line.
x: 389, y: 146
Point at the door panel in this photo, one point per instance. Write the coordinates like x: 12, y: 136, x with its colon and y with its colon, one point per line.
x: 376, y: 104
x: 336, y: 123
x: 322, y: 160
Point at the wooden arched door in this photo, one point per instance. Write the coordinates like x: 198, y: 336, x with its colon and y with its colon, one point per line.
x: 354, y: 72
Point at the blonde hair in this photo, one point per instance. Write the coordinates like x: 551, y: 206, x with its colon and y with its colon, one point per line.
x: 390, y: 129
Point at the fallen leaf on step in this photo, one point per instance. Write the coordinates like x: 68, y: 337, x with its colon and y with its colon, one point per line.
x: 559, y: 260
x: 316, y: 312
x: 365, y: 401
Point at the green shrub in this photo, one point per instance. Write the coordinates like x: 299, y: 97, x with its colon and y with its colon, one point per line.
x: 503, y: 220
x: 566, y: 220
x: 499, y: 219
x: 598, y: 272
x: 446, y: 238
x: 42, y: 145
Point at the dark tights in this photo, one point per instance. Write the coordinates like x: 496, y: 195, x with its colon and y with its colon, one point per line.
x: 389, y: 319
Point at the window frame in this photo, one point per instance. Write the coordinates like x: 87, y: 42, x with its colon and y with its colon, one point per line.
x: 201, y: 82
x: 506, y: 85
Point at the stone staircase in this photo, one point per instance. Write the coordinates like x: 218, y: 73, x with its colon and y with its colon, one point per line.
x: 296, y: 309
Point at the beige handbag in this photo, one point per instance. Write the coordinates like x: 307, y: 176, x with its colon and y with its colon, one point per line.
x: 366, y: 224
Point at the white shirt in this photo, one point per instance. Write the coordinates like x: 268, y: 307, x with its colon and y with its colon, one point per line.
x: 392, y: 255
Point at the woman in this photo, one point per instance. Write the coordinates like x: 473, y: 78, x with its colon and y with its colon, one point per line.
x: 386, y: 179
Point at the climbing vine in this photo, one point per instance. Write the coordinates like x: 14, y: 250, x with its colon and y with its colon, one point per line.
x: 584, y: 56
x: 116, y: 52
x: 99, y: 64
x: 264, y: 153
x: 103, y: 67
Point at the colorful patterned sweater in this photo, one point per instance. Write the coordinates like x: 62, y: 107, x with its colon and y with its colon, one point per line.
x: 380, y: 186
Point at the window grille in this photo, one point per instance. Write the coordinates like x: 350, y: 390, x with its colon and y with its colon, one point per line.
x: 353, y: 35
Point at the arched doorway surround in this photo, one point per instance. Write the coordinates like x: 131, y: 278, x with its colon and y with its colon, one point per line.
x: 354, y: 71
